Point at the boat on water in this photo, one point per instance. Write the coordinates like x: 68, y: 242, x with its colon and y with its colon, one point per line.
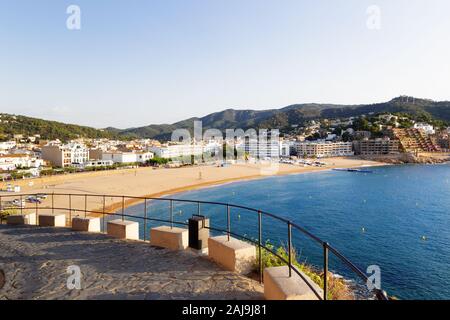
x: 353, y: 170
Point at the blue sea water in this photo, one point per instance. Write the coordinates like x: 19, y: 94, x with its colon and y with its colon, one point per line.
x: 397, y: 218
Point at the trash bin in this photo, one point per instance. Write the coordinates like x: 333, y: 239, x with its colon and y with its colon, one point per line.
x: 198, y: 232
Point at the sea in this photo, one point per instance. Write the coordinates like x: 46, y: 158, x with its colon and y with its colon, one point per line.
x: 395, y: 220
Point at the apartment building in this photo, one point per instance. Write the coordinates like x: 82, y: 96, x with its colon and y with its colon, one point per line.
x: 173, y: 151
x: 126, y: 157
x: 65, y: 155
x: 265, y: 145
x: 415, y: 140
x: 6, y: 146
x: 376, y: 146
x: 95, y: 163
x: 287, y: 148
x: 10, y: 162
x: 322, y: 149
x: 425, y: 127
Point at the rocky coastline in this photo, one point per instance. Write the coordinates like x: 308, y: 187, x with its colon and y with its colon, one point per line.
x: 409, y: 158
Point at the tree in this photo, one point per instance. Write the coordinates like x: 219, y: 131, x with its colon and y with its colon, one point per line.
x: 347, y: 137
x: 157, y: 161
x: 361, y: 124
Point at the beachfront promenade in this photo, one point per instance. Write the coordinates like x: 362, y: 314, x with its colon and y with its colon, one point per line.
x: 147, y: 182
x: 35, y: 260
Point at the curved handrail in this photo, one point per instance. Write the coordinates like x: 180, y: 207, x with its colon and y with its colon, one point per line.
x: 326, y: 247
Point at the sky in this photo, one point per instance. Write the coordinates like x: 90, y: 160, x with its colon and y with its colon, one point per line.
x: 139, y: 62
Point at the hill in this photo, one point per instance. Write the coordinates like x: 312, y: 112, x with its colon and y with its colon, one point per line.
x: 286, y: 117
x: 28, y: 126
x: 282, y: 119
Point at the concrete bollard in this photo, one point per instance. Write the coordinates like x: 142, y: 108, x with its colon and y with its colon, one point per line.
x: 170, y: 238
x: 123, y: 229
x: 52, y: 220
x: 86, y: 224
x: 20, y: 219
x: 279, y: 286
x: 234, y: 255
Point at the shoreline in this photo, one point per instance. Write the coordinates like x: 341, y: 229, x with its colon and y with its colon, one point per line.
x: 200, y: 186
x: 156, y: 183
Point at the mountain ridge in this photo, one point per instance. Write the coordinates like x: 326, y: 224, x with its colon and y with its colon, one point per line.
x: 296, y: 114
x: 283, y: 119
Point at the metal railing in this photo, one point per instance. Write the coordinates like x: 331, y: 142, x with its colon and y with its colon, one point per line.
x: 120, y: 211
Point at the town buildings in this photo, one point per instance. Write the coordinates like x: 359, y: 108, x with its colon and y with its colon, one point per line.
x: 65, y: 155
x: 266, y: 145
x: 323, y: 149
x: 178, y: 150
x: 425, y: 127
x: 376, y: 146
x: 126, y: 157
x: 10, y: 162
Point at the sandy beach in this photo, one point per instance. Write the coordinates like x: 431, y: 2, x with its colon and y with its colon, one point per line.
x: 150, y: 182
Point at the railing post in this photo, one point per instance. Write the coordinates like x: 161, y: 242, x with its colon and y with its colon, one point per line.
x: 259, y: 246
x: 290, y: 247
x: 53, y: 202
x: 198, y: 208
x: 70, y: 208
x: 1, y: 210
x: 21, y: 206
x: 228, y: 222
x: 37, y: 215
x: 85, y: 205
x: 171, y: 214
x: 123, y: 207
x: 325, y: 270
x: 145, y: 219
x: 104, y: 222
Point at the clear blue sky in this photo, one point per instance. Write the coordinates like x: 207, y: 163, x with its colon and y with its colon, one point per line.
x: 138, y: 62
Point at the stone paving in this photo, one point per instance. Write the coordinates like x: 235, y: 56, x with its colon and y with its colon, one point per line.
x: 35, y: 262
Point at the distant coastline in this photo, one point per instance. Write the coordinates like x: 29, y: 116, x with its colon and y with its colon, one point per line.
x: 115, y: 206
x: 152, y: 183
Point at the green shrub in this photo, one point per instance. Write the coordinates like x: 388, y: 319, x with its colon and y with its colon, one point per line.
x: 337, y: 288
x: 4, y: 213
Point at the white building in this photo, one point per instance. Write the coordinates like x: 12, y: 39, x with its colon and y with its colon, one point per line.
x: 425, y: 127
x: 7, y: 145
x: 322, y: 149
x: 119, y: 157
x: 95, y: 163
x: 286, y: 148
x: 262, y: 147
x: 65, y: 155
x: 127, y: 157
x: 10, y: 162
x: 143, y: 157
x: 177, y: 150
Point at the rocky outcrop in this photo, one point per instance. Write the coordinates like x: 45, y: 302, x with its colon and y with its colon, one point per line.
x: 405, y: 158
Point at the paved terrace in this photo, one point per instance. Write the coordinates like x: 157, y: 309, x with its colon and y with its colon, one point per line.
x: 35, y: 261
